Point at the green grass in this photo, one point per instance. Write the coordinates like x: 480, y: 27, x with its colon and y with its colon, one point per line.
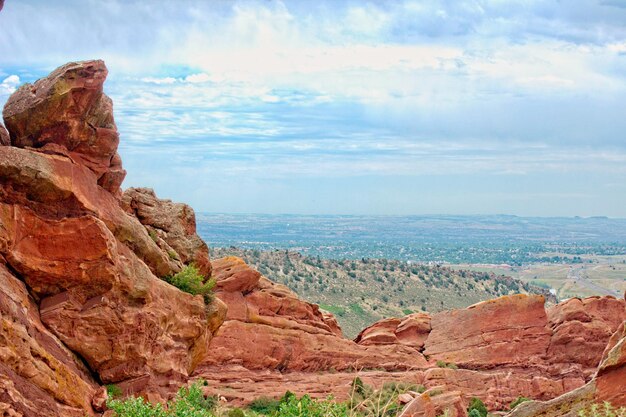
x: 336, y: 310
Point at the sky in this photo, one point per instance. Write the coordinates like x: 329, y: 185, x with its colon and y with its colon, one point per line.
x: 351, y: 107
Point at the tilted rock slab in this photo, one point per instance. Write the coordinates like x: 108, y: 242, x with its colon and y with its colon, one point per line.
x: 506, y: 331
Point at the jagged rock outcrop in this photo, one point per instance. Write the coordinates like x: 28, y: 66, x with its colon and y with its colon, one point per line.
x: 171, y: 225
x: 411, y: 330
x: 92, y: 269
x: 67, y: 113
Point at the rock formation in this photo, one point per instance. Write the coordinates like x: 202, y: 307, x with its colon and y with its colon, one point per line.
x: 608, y: 384
x: 411, y: 331
x: 268, y: 327
x: 68, y: 114
x: 171, y: 225
x: 81, y: 276
x: 506, y: 331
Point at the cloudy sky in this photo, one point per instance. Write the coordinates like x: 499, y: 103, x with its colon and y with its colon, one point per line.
x: 386, y: 107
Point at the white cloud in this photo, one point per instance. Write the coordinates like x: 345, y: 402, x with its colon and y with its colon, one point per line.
x: 9, y: 84
x: 154, y: 80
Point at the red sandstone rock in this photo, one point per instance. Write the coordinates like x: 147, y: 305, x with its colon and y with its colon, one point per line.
x: 609, y: 384
x: 611, y: 376
x: 56, y: 188
x: 5, y: 140
x: 39, y: 376
x: 436, y: 402
x: 89, y: 264
x: 507, y: 331
x: 269, y: 327
x: 581, y: 329
x: 233, y: 275
x: 412, y: 330
x: 69, y: 110
x: 171, y: 225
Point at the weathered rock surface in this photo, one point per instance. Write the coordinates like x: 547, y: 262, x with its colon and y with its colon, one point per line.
x: 39, y: 376
x: 506, y: 331
x: 411, y: 330
x: 68, y: 113
x: 92, y: 269
x: 581, y: 329
x: 609, y: 384
x: 171, y: 225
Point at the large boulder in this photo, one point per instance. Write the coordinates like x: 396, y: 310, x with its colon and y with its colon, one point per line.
x: 507, y: 331
x: 171, y: 225
x: 411, y: 330
x: 68, y: 113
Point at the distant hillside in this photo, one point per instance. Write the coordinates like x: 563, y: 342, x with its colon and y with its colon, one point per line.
x: 360, y: 292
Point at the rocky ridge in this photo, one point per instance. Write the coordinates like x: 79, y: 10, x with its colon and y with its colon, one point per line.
x: 83, y: 301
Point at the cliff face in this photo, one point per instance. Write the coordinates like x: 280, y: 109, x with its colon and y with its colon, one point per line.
x: 81, y: 274
x: 83, y: 302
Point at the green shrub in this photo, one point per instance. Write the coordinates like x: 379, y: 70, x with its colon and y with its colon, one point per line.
x: 478, y: 405
x: 367, y: 402
x: 113, y: 391
x: 474, y: 413
x: 264, y: 405
x: 236, y: 412
x: 190, y: 280
x: 518, y: 401
x: 308, y: 407
x: 602, y: 410
x: 442, y: 364
x: 189, y: 402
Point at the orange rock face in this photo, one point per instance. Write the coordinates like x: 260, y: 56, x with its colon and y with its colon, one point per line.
x: 68, y: 113
x: 609, y: 384
x: 412, y: 331
x: 582, y: 328
x: 39, y: 376
x: 269, y: 328
x: 171, y: 225
x: 92, y: 268
x: 507, y: 331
